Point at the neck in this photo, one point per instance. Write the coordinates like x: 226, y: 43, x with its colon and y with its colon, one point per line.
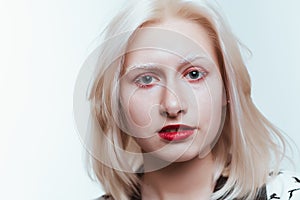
x: 191, y: 179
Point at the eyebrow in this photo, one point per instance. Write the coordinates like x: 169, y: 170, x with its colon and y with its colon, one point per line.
x: 142, y: 66
x: 190, y: 58
x: 182, y: 62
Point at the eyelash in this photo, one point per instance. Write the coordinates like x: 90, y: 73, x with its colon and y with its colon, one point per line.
x: 139, y: 82
x: 197, y: 69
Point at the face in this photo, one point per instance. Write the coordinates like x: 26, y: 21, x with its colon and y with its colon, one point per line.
x: 171, y: 90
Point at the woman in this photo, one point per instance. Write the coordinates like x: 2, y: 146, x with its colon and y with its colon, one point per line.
x: 172, y: 115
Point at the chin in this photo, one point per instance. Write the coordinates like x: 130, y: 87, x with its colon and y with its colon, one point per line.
x: 188, y: 155
x: 185, y: 158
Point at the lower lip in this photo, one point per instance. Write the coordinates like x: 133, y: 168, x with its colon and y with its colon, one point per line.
x: 176, y: 136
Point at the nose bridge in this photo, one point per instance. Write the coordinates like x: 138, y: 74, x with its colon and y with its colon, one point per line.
x: 172, y: 98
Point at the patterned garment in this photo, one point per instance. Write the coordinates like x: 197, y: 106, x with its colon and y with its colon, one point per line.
x: 285, y: 186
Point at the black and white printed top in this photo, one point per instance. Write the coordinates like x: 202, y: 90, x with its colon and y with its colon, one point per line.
x: 285, y: 186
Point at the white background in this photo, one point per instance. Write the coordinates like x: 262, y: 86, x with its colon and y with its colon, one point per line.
x: 42, y: 46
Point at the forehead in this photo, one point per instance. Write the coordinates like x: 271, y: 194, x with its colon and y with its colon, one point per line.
x: 172, y: 36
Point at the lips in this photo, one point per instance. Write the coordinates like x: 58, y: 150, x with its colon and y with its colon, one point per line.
x: 176, y: 132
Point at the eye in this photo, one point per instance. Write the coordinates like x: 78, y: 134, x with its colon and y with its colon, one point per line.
x: 145, y: 81
x: 195, y: 74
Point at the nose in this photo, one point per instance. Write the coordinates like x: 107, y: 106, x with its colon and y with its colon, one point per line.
x: 172, y: 103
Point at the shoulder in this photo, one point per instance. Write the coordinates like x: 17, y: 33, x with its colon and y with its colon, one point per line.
x: 286, y: 185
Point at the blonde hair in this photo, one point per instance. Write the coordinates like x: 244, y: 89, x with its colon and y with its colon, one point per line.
x: 248, y: 144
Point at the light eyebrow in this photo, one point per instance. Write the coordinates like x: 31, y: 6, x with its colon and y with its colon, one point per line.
x: 142, y: 66
x: 190, y: 58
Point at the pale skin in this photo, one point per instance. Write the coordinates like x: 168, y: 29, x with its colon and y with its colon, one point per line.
x: 158, y: 89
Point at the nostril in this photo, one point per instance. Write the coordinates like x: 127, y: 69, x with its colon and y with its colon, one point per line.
x: 172, y: 114
x: 181, y: 112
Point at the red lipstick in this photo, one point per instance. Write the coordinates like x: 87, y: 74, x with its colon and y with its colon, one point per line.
x: 176, y: 132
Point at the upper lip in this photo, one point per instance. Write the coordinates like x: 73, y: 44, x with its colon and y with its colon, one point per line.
x: 177, y: 127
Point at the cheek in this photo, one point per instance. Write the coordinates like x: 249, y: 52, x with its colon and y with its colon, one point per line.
x: 215, y: 124
x: 138, y: 108
x: 139, y: 111
x: 209, y: 105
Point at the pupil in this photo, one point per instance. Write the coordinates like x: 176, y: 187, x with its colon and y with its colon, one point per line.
x: 194, y: 74
x: 147, y: 79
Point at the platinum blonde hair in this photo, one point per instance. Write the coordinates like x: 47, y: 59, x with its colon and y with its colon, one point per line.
x: 249, y: 146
